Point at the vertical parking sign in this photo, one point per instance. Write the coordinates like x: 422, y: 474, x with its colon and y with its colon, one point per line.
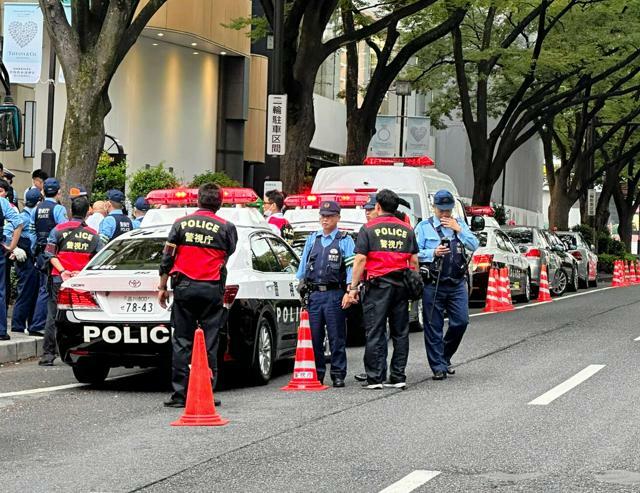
x: 276, y: 124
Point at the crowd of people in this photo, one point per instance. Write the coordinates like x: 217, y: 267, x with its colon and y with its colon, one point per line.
x: 45, y: 248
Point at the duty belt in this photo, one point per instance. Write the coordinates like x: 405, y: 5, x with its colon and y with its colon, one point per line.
x: 325, y: 287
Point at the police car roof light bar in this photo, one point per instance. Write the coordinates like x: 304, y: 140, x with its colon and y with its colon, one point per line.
x: 313, y: 201
x: 415, y: 161
x: 189, y: 196
x: 480, y: 210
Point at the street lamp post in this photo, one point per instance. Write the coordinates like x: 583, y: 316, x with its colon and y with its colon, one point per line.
x: 48, y: 157
x: 403, y: 89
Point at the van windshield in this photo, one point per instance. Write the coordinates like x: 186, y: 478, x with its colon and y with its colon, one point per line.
x: 415, y: 212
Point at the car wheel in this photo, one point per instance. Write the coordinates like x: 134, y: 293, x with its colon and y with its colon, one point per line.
x: 525, y: 297
x: 583, y: 283
x: 560, y: 286
x: 93, y: 373
x: 573, y: 284
x: 594, y: 283
x: 263, y: 357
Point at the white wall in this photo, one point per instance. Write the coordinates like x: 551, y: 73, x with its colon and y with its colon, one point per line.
x: 331, y: 125
x: 165, y: 103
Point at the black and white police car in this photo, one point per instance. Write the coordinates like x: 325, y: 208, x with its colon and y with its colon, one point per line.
x: 108, y: 315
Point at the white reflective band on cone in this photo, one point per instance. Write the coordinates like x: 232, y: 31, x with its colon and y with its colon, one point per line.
x: 305, y: 344
x: 304, y: 365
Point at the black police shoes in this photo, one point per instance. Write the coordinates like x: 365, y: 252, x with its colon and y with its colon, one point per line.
x: 5, y: 337
x: 46, y: 361
x: 360, y: 377
x: 179, y: 403
x: 439, y: 375
x: 35, y: 333
x: 338, y: 383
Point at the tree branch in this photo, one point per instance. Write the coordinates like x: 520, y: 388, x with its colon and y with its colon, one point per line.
x: 64, y: 38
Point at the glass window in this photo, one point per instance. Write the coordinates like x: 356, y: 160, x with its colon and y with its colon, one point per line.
x: 571, y: 241
x: 132, y: 254
x: 263, y: 258
x: 482, y: 238
x: 285, y: 256
x: 510, y: 246
x: 500, y: 242
x: 520, y: 236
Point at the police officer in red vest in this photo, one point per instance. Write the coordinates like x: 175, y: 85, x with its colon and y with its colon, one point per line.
x: 386, y: 247
x: 69, y: 248
x: 195, y: 256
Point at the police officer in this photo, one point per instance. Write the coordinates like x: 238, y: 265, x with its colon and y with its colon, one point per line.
x: 116, y: 222
x: 69, y: 248
x: 28, y: 278
x: 10, y: 219
x: 140, y: 208
x: 325, y: 269
x: 44, y: 218
x: 195, y: 256
x: 442, y: 240
x: 386, y: 247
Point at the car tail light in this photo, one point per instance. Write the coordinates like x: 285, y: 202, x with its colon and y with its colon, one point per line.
x: 72, y: 299
x: 577, y: 255
x: 482, y: 261
x: 230, y: 293
x: 533, y: 252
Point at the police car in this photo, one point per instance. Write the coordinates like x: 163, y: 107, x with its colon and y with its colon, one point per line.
x: 108, y: 315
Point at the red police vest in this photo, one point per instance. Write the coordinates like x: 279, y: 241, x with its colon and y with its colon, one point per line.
x: 75, y: 244
x: 203, y: 241
x: 388, y: 244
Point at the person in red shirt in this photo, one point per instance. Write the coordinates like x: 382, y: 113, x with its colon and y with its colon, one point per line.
x: 195, y: 256
x: 273, y: 206
x: 69, y: 248
x: 386, y: 247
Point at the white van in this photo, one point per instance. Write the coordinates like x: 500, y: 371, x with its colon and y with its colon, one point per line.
x: 415, y: 184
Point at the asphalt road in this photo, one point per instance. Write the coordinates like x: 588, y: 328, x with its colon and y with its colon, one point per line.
x: 496, y: 425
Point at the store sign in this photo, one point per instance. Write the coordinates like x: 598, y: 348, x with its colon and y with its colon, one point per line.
x: 385, y: 142
x: 22, y: 47
x: 276, y: 124
x: 591, y: 202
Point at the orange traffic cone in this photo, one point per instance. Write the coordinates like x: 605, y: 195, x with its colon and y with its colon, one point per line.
x: 200, y: 409
x: 504, y: 289
x: 617, y: 278
x: 305, y: 376
x: 632, y: 273
x: 543, y: 290
x: 627, y: 275
x: 492, y: 304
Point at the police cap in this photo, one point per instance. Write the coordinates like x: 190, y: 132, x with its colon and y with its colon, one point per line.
x: 329, y: 208
x: 115, y: 196
x: 32, y: 197
x: 142, y: 204
x: 371, y: 203
x: 443, y: 200
x: 51, y: 186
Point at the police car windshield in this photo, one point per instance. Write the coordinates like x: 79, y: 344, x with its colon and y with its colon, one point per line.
x: 520, y: 236
x: 570, y: 240
x: 132, y: 254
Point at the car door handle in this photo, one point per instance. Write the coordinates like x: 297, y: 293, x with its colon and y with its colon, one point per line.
x: 270, y: 284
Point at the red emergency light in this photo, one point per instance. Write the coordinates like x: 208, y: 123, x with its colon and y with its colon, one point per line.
x: 189, y: 196
x: 314, y: 200
x: 479, y: 210
x: 416, y: 161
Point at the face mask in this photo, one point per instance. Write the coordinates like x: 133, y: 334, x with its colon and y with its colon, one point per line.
x: 267, y: 213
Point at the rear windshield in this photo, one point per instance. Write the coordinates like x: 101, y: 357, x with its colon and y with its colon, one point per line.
x: 132, y: 254
x: 482, y: 238
x: 570, y: 240
x: 520, y: 236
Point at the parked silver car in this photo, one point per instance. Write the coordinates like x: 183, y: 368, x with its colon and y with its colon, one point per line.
x: 532, y: 243
x: 568, y: 262
x: 583, y: 253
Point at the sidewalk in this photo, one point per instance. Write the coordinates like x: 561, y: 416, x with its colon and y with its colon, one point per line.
x: 21, y: 346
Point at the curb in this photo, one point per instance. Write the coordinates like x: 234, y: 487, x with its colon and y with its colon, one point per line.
x: 20, y: 347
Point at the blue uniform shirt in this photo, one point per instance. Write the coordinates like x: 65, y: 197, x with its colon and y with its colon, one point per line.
x: 59, y: 213
x: 137, y: 222
x: 108, y: 226
x: 11, y: 220
x: 28, y: 231
x: 428, y: 239
x: 347, y: 249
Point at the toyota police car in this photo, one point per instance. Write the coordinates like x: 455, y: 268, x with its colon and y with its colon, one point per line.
x: 108, y: 314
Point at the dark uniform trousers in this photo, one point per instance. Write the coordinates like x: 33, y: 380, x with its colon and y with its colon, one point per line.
x: 195, y: 303
x: 49, y: 346
x: 325, y: 308
x: 452, y: 296
x: 385, y: 300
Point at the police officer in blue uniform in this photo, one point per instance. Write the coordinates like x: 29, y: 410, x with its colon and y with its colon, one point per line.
x: 140, y: 208
x: 325, y: 271
x: 116, y: 222
x: 46, y: 215
x: 442, y: 240
x: 28, y: 278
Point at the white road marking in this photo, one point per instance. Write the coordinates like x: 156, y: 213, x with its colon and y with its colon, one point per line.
x: 411, y: 481
x: 533, y: 303
x: 43, y: 390
x: 567, y: 385
x: 637, y: 339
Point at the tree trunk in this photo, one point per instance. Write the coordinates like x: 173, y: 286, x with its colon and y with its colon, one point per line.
x: 625, y: 228
x: 602, y: 209
x: 301, y: 126
x: 483, y: 182
x: 82, y: 137
x: 559, y: 208
x: 361, y: 126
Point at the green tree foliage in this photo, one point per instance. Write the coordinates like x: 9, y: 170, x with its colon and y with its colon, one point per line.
x: 109, y: 175
x: 217, y: 177
x: 147, y: 179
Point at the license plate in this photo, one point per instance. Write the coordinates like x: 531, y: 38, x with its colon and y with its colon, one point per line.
x: 137, y: 304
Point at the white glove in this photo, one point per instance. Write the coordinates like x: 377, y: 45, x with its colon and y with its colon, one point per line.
x: 19, y: 254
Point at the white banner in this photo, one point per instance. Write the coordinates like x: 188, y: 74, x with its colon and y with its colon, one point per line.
x: 417, y: 136
x: 385, y: 142
x: 22, y: 47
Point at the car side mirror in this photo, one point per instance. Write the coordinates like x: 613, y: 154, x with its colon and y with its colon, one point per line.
x: 477, y: 223
x: 10, y: 127
x: 523, y: 249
